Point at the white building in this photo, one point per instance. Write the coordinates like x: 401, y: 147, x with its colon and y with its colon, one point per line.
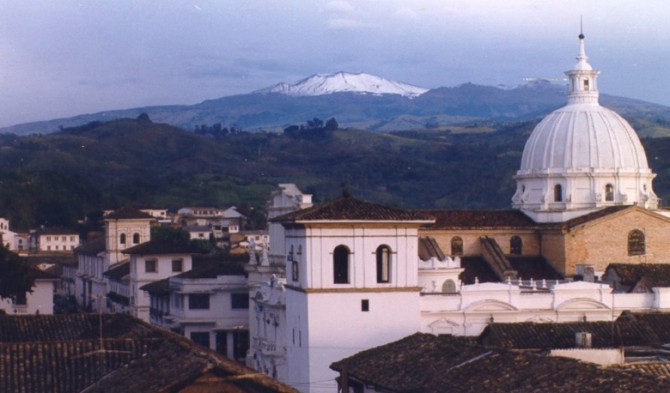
x: 58, y: 240
x: 208, y: 304
x: 152, y: 261
x: 39, y: 301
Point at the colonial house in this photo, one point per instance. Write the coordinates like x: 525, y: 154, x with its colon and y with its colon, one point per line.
x: 152, y: 261
x: 118, y: 288
x: 90, y: 284
x: 208, y: 304
x: 59, y: 240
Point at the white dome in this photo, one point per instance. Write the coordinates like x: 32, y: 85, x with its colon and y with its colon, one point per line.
x: 582, y: 157
x: 583, y: 137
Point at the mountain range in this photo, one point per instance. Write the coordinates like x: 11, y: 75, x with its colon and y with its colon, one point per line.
x: 368, y: 102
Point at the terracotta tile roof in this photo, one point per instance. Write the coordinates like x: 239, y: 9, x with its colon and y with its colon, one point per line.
x: 159, y: 287
x: 658, y: 322
x: 423, y: 363
x: 477, y: 219
x: 92, y: 247
x: 127, y: 213
x: 63, y: 354
x: 213, y: 269
x: 162, y: 247
x: 530, y: 335
x: 660, y: 369
x: 118, y: 271
x: 351, y: 209
x: 476, y: 267
x: 428, y: 248
x: 536, y: 268
x: 594, y: 216
x: 655, y: 275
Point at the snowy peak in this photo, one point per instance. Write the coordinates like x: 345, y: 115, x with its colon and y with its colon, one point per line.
x: 341, y: 82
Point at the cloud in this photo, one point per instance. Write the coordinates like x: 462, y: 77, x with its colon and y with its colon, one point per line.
x: 339, y: 6
x: 407, y: 13
x: 347, y: 24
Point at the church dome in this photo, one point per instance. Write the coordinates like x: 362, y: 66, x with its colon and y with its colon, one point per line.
x: 582, y: 157
x: 583, y: 137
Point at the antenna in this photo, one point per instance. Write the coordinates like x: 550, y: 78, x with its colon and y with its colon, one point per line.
x: 581, y: 27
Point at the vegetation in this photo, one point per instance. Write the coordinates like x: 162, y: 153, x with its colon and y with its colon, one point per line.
x: 15, y: 275
x: 59, y: 178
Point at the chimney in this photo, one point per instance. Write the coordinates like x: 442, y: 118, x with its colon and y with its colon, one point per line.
x: 583, y: 340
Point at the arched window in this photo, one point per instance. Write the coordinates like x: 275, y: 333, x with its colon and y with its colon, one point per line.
x: 449, y: 286
x: 341, y: 265
x: 558, y: 193
x: 383, y: 264
x: 609, y: 193
x: 136, y: 238
x: 456, y: 246
x: 515, y: 245
x: 122, y: 238
x: 636, y: 243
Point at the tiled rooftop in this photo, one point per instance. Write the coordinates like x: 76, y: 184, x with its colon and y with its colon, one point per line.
x: 127, y: 213
x: 351, y: 209
x: 478, y: 219
x: 92, y: 247
x: 655, y: 275
x: 64, y: 353
x: 118, y: 271
x: 162, y: 247
x: 423, y: 363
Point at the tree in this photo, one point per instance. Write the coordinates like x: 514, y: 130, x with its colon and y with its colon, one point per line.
x: 15, y: 275
x: 331, y: 124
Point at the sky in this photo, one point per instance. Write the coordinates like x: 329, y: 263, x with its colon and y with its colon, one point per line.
x: 60, y: 58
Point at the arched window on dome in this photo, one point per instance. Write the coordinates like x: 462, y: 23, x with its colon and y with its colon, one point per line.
x: 456, y: 246
x: 609, y: 193
x: 383, y: 264
x: 515, y: 245
x: 636, y: 243
x: 341, y: 265
x: 586, y: 85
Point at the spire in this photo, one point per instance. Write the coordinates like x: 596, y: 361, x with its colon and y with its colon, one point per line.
x: 582, y: 89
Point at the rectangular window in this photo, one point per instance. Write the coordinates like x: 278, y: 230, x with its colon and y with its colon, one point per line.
x: 198, y: 301
x: 150, y: 266
x: 177, y: 265
x: 239, y: 300
x: 201, y: 338
x: 240, y: 344
x: 365, y: 305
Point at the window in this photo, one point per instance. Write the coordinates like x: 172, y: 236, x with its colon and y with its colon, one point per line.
x: 71, y: 238
x: 365, y: 305
x: 586, y: 85
x: 609, y: 193
x: 515, y: 245
x: 449, y: 286
x: 636, y: 242
x: 383, y: 264
x: 198, y: 301
x: 558, y: 193
x: 201, y: 338
x: 240, y: 344
x: 295, y: 274
x: 239, y: 300
x: 136, y: 238
x: 341, y: 265
x: 222, y: 343
x: 20, y: 300
x: 456, y: 246
x: 177, y: 265
x: 48, y: 238
x: 122, y: 238
x: 150, y: 266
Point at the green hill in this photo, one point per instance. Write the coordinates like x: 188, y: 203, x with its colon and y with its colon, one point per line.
x: 58, y: 178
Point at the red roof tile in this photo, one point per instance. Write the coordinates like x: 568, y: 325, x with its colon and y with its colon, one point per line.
x: 477, y: 219
x: 351, y: 209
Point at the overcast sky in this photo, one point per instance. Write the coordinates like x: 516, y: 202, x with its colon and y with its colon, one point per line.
x: 60, y: 58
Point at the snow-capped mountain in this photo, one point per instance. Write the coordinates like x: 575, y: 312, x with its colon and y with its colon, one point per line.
x: 322, y: 84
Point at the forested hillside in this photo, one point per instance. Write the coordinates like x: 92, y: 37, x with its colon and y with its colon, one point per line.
x: 59, y: 178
